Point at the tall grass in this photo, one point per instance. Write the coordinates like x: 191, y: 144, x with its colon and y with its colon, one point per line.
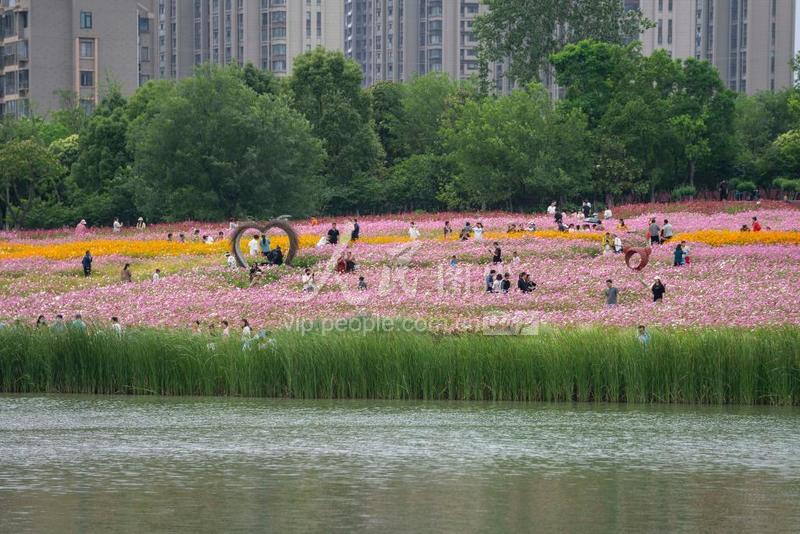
x: 713, y: 366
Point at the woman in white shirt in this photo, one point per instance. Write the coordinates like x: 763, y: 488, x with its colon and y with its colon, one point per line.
x: 478, y: 231
x: 497, y: 285
x: 617, y: 244
x: 413, y: 231
x: 253, y: 246
x: 551, y: 209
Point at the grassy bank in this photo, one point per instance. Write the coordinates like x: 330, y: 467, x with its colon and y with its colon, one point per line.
x: 692, y: 366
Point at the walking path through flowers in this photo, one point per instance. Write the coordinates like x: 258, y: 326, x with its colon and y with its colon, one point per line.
x: 733, y: 277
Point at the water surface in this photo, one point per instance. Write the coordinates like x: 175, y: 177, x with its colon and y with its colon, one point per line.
x: 206, y: 465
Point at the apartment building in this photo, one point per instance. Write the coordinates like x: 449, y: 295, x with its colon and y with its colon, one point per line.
x: 267, y: 33
x: 751, y: 42
x: 57, y: 49
x: 395, y: 39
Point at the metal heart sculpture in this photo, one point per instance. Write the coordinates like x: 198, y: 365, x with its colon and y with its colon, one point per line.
x: 236, y: 249
x: 644, y: 255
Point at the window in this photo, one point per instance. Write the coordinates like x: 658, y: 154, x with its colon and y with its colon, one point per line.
x: 660, y: 31
x: 669, y: 31
x: 87, y: 106
x: 279, y: 50
x: 87, y: 78
x: 23, y: 82
x: 319, y: 23
x: 279, y: 66
x: 144, y: 25
x: 670, y: 5
x: 86, y: 20
x: 661, y: 5
x: 87, y: 48
x: 145, y: 53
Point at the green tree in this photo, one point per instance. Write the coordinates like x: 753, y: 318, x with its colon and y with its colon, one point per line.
x: 28, y: 172
x: 387, y: 108
x: 518, y: 150
x: 327, y: 91
x: 528, y: 32
x: 215, y: 149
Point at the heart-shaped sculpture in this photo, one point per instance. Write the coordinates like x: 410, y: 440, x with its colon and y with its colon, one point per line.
x: 644, y: 255
x: 236, y: 249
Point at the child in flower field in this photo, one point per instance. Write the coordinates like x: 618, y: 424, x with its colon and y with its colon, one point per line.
x: 362, y: 285
x: 246, y: 331
x: 685, y: 248
x: 125, y: 276
x: 87, y: 263
x: 157, y: 275
x: 308, y: 281
x: 230, y: 260
x: 489, y: 280
x: 413, y: 231
x: 115, y: 326
x: 453, y: 261
x: 226, y: 328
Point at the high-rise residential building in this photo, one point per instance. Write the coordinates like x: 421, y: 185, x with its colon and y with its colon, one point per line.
x: 54, y: 50
x: 267, y: 33
x: 751, y: 42
x: 395, y: 39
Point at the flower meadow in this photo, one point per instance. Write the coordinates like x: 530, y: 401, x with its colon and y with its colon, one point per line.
x: 736, y: 278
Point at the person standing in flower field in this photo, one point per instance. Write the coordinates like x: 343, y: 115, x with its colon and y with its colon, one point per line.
x: 655, y: 232
x: 140, y: 224
x: 87, y: 263
x: 115, y: 326
x: 362, y: 285
x: 478, y: 231
x: 356, y: 233
x: 157, y: 275
x: 78, y: 323
x: 447, y: 229
x: 497, y: 253
x: 611, y: 293
x: 117, y: 226
x: 756, y: 225
x: 642, y: 335
x: 413, y: 231
x: 489, y: 280
x: 253, y: 245
x: 658, y: 289
x: 333, y: 235
x: 678, y: 256
x: 265, y: 245
x: 551, y: 209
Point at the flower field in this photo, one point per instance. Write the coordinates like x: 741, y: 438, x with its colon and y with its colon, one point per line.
x: 732, y: 278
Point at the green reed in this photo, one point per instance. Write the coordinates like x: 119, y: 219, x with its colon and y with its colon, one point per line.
x: 703, y: 365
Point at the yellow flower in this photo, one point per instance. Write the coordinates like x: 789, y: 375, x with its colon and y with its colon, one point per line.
x: 735, y: 237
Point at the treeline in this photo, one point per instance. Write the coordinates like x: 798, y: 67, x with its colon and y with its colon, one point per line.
x: 237, y: 142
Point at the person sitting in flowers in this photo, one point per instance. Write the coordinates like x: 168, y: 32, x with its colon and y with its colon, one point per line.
x: 621, y: 226
x: 497, y: 285
x: 617, y: 245
x: 744, y: 228
x: 608, y: 243
x: 125, y: 276
x: 658, y: 289
x: 756, y: 225
x: 465, y: 232
x: 308, y: 281
x: 275, y: 256
x: 505, y: 285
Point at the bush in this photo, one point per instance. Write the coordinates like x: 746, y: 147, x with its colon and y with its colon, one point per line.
x: 684, y: 192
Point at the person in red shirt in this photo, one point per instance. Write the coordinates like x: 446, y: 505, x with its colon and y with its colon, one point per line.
x: 756, y: 225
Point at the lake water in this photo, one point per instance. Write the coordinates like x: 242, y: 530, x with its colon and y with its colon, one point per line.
x: 89, y: 464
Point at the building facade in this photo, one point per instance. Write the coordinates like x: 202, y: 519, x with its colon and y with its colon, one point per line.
x: 393, y: 40
x: 751, y: 42
x: 57, y: 50
x: 266, y: 33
